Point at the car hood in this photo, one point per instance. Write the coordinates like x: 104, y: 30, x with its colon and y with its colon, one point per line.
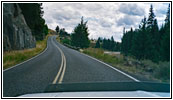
x: 105, y: 89
x: 100, y: 94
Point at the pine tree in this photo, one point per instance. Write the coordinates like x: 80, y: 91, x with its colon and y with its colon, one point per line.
x: 168, y: 15
x: 143, y: 39
x: 151, y: 18
x: 63, y: 33
x: 112, y: 44
x: 45, y: 29
x: 33, y: 13
x: 57, y: 29
x: 104, y: 46
x: 152, y: 37
x: 148, y: 42
x: 80, y: 35
x: 165, y: 42
x: 124, y: 43
x: 98, y: 43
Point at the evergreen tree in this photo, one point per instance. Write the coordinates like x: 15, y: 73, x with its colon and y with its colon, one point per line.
x: 63, y: 33
x: 148, y: 42
x: 165, y: 42
x: 98, y: 43
x: 80, y: 35
x: 112, y: 44
x: 129, y: 39
x: 152, y: 37
x: 108, y: 47
x: 57, y: 29
x: 104, y: 46
x: 151, y: 18
x: 143, y: 39
x: 168, y: 15
x: 123, y: 42
x: 33, y: 14
x: 45, y: 29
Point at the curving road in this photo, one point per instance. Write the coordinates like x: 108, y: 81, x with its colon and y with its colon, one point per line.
x: 57, y: 64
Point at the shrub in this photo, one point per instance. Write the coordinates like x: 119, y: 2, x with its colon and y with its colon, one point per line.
x: 149, y: 66
x: 99, y: 54
x: 66, y: 41
x: 163, y: 71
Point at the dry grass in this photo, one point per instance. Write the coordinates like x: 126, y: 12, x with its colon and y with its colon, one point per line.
x: 99, y: 54
x: 12, y: 58
x: 58, y: 39
x: 146, y: 68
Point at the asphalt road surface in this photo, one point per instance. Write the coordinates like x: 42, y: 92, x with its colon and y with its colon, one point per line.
x: 57, y: 64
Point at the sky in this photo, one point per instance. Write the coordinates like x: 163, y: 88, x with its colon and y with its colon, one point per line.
x: 105, y: 19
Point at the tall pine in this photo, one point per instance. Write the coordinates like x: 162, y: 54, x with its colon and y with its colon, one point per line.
x: 98, y: 43
x: 80, y: 35
x: 165, y: 42
x: 152, y: 35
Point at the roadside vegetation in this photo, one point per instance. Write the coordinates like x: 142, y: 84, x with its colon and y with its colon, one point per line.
x: 144, y: 51
x: 142, y: 68
x: 11, y: 58
x: 78, y: 38
x: 35, y: 21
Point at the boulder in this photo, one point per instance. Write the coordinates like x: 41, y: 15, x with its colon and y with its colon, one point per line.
x: 16, y: 33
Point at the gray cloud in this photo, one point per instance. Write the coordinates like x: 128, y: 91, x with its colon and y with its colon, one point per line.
x: 131, y: 9
x: 126, y: 20
x: 104, y: 19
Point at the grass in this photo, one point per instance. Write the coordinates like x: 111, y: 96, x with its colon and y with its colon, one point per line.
x: 58, y: 39
x: 99, y: 54
x: 11, y: 58
x: 145, y: 68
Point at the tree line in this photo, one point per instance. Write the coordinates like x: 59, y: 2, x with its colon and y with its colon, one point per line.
x: 108, y: 44
x: 33, y: 15
x: 79, y: 36
x: 148, y: 41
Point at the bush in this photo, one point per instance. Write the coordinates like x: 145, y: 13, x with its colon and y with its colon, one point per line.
x: 163, y: 71
x: 99, y: 54
x: 66, y: 41
x: 17, y: 56
x: 149, y: 66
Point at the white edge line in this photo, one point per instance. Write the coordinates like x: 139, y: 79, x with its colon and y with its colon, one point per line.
x: 112, y: 68
x: 26, y: 60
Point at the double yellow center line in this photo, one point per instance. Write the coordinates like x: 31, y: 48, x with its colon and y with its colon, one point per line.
x: 60, y: 74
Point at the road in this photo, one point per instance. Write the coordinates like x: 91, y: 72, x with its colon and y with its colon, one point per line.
x: 57, y: 64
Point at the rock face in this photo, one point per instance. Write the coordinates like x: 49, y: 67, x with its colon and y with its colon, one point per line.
x: 16, y: 33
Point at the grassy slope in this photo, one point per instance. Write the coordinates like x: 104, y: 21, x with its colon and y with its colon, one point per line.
x: 12, y: 58
x: 143, y: 68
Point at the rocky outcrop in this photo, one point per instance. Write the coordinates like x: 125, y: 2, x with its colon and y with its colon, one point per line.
x: 16, y: 33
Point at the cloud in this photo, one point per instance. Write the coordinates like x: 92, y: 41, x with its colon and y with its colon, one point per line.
x: 126, y: 20
x: 131, y: 9
x: 160, y: 9
x: 104, y: 19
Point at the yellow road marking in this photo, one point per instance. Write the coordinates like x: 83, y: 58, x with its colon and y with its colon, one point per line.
x: 62, y: 75
x: 62, y: 67
x: 56, y: 78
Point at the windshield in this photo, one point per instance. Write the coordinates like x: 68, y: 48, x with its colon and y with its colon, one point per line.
x: 55, y: 47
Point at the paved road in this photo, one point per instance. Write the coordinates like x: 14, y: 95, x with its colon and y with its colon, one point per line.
x: 57, y: 64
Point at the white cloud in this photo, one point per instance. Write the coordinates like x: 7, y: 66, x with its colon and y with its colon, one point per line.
x: 104, y: 19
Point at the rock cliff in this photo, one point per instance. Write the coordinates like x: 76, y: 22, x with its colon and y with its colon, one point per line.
x: 16, y: 33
